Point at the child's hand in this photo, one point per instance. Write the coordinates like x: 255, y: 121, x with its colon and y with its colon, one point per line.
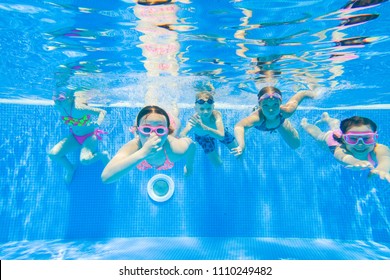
x: 237, y: 151
x: 196, y: 122
x: 383, y: 175
x: 152, y: 146
x: 360, y: 165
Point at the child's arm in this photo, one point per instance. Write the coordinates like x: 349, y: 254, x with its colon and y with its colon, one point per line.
x: 183, y: 147
x: 186, y: 130
x: 218, y: 133
x: 240, y: 129
x: 291, y: 105
x: 93, y: 111
x: 382, y: 153
x: 350, y: 161
x: 190, y: 159
x: 128, y: 157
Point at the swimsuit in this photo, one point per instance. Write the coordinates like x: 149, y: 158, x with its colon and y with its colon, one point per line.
x: 81, y: 138
x: 83, y: 121
x: 263, y: 125
x: 208, y: 143
x: 69, y: 120
x: 144, y: 165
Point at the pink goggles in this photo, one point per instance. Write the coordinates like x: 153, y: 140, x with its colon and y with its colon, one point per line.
x: 270, y: 95
x: 60, y: 97
x: 159, y: 130
x: 353, y: 138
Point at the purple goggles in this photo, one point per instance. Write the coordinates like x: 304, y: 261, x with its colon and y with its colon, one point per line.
x: 270, y: 95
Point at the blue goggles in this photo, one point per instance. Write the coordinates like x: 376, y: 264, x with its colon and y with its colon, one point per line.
x: 201, y: 101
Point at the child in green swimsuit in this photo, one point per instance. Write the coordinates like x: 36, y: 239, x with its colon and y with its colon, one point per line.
x: 85, y: 133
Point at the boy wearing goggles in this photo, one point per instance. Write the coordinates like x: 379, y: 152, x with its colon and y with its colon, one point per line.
x: 208, y: 127
x: 153, y: 147
x: 353, y: 142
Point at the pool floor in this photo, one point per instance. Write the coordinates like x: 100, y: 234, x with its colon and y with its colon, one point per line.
x: 191, y: 248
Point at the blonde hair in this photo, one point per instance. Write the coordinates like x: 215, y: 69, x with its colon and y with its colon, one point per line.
x: 204, y: 95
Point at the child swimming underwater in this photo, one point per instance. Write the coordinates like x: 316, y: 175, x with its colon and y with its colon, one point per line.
x: 353, y: 142
x: 207, y: 125
x: 271, y: 116
x: 153, y: 147
x: 84, y: 131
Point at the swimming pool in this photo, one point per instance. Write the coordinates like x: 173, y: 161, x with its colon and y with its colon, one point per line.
x: 274, y: 203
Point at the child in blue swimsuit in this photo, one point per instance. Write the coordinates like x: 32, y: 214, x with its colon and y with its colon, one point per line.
x: 272, y: 116
x: 208, y: 127
x: 353, y: 143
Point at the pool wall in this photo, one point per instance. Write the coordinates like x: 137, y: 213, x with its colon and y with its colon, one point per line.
x: 272, y: 191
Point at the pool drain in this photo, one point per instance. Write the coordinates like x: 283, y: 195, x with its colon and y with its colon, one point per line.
x: 160, y: 187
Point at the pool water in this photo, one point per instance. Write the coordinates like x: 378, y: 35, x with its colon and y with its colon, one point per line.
x: 274, y: 203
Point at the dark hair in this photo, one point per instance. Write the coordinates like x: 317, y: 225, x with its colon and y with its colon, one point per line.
x: 157, y: 110
x: 269, y: 89
x: 153, y: 2
x: 346, y: 124
x: 356, y: 121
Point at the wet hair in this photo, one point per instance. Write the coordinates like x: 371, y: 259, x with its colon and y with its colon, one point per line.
x: 204, y: 94
x: 153, y: 2
x: 147, y: 110
x: 346, y: 124
x: 268, y: 89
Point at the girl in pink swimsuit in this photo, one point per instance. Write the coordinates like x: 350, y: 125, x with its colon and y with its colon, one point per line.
x: 353, y: 143
x: 153, y: 147
x: 84, y: 131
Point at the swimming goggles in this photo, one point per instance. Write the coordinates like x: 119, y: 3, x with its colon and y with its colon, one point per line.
x: 159, y: 130
x: 201, y: 101
x: 270, y: 95
x: 61, y: 97
x: 353, y: 138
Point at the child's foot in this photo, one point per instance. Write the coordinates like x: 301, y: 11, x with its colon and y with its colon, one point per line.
x: 304, y: 122
x: 324, y: 118
x: 69, y: 175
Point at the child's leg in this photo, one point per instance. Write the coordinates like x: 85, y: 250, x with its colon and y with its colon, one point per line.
x: 334, y: 124
x: 289, y: 134
x: 215, y: 158
x: 58, y: 154
x: 89, y: 154
x: 313, y: 130
x: 209, y: 147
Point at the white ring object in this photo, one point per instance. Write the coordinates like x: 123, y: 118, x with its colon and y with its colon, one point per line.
x: 161, y: 187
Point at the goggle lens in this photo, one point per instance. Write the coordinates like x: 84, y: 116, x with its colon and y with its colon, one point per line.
x: 159, y: 130
x: 201, y: 101
x: 366, y: 138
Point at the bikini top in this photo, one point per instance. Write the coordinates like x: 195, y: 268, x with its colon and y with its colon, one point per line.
x: 263, y: 125
x: 144, y: 165
x: 69, y: 120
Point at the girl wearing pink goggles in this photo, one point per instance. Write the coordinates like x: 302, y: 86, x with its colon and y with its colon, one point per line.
x: 353, y: 143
